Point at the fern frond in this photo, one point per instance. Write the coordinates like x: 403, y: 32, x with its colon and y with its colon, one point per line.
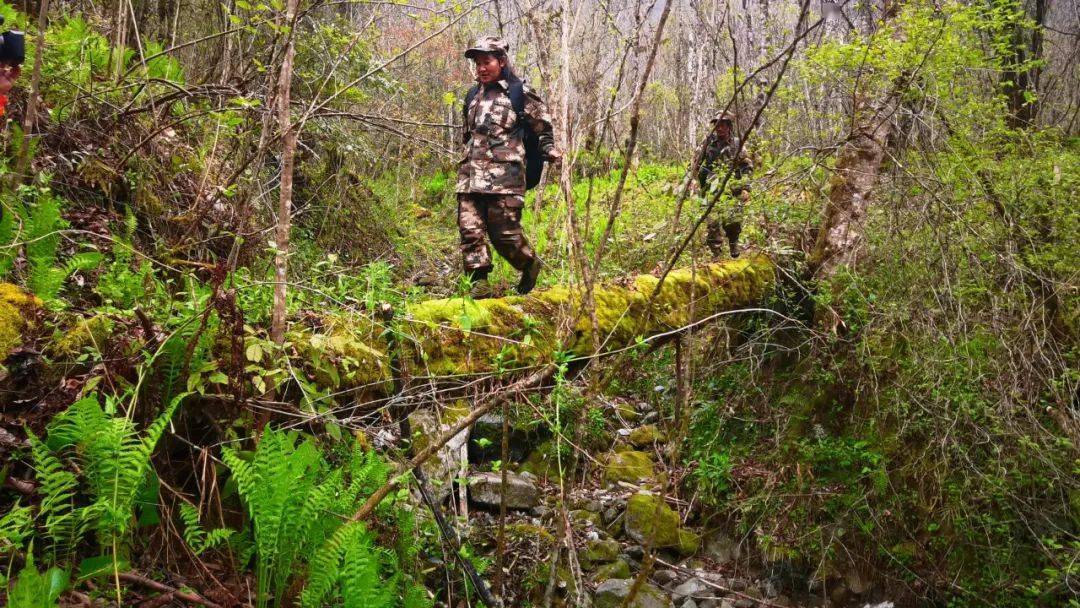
x: 58, y: 486
x: 15, y: 527
x: 196, y: 536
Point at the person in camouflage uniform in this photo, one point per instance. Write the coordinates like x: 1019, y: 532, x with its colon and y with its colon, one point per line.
x: 491, y: 176
x: 720, y: 149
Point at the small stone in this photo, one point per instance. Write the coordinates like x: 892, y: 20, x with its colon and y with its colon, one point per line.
x: 665, y: 577
x: 485, y: 489
x: 651, y: 417
x: 693, y: 588
x: 543, y: 461
x: 582, y: 516
x: 612, y: 593
x: 611, y: 514
x: 616, y: 569
x: 636, y: 552
x: 689, y: 604
x: 599, y: 552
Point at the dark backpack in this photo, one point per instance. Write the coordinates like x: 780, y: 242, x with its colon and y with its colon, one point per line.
x: 534, y: 157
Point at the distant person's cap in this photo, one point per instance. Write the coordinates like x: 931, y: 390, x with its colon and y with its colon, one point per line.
x: 488, y: 44
x: 723, y: 117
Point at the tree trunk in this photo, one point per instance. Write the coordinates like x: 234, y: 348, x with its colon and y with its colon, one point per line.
x: 288, y: 158
x: 1021, y: 84
x: 852, y: 186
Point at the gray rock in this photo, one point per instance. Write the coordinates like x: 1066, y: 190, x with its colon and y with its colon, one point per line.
x: 689, y: 604
x: 721, y: 548
x: 652, y: 417
x: 443, y: 467
x: 612, y: 592
x: 610, y: 515
x: 693, y: 588
x: 635, y: 552
x: 485, y: 489
x: 664, y: 577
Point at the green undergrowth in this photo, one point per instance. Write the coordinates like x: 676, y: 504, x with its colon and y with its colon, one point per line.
x: 926, y: 437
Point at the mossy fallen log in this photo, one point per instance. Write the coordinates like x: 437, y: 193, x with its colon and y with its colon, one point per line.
x: 458, y: 337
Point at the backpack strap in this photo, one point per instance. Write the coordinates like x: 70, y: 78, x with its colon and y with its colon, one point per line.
x: 516, y: 93
x: 465, y: 110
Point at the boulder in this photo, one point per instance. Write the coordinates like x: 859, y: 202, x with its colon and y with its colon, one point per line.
x: 644, y: 437
x: 485, y: 489
x: 612, y: 593
x: 649, y: 517
x: 630, y: 466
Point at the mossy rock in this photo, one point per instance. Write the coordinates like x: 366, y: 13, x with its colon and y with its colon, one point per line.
x: 629, y: 466
x: 92, y: 332
x: 581, y: 516
x: 646, y: 436
x: 649, y: 517
x: 16, y: 308
x: 599, y: 551
x: 616, y: 569
x: 523, y: 531
x: 543, y: 461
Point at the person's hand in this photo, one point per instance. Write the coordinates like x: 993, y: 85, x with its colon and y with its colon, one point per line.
x: 8, y: 75
x: 553, y: 156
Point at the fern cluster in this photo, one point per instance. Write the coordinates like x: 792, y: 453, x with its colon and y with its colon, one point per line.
x: 31, y: 218
x: 114, y: 467
x: 298, y: 504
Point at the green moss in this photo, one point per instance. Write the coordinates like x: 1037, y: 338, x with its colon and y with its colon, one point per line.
x: 649, y: 517
x: 89, y: 332
x: 598, y: 552
x: 629, y: 466
x: 646, y: 436
x: 460, y: 336
x: 15, y: 306
x: 616, y: 569
x: 543, y: 461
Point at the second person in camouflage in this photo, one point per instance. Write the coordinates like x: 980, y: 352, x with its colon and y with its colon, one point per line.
x: 491, y: 176
x: 722, y: 148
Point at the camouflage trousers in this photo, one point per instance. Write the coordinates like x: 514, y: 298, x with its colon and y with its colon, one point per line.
x: 725, y: 223
x: 494, y: 217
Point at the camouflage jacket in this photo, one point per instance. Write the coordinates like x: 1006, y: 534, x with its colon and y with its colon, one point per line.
x: 494, y: 161
x: 718, y: 150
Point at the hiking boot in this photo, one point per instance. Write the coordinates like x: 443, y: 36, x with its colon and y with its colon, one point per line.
x: 529, y: 276
x: 732, y: 231
x: 480, y: 290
